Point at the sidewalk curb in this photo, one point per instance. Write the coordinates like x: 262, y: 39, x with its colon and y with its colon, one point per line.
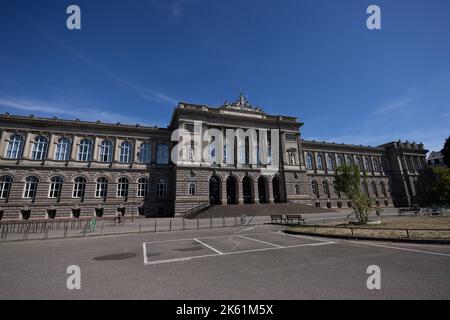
x: 345, y: 237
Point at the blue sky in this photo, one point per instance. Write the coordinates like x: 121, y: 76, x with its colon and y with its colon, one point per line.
x: 132, y: 61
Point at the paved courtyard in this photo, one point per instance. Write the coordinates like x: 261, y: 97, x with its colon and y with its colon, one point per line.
x: 256, y: 262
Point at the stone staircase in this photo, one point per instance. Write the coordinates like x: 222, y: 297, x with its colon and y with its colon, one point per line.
x: 267, y: 209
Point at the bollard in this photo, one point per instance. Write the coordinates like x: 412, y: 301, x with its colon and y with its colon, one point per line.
x: 65, y: 231
x: 170, y: 225
x: 103, y: 224
x: 235, y: 221
x: 184, y: 226
x: 352, y: 231
x: 5, y: 235
x: 46, y: 232
x: 198, y: 224
x: 223, y: 221
x: 407, y: 233
x: 155, y: 225
x: 139, y: 227
x: 210, y: 222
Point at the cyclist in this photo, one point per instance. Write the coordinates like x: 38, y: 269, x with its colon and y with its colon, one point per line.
x: 118, y: 217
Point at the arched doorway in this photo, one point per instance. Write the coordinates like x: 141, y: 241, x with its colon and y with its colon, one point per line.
x: 276, y: 190
x: 214, y: 190
x: 263, y: 190
x: 247, y: 188
x: 232, y: 190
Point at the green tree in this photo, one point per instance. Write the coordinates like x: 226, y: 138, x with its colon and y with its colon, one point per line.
x: 446, y: 151
x: 348, y: 181
x: 436, y: 184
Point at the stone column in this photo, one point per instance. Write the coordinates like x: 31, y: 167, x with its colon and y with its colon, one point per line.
x: 74, y: 150
x: 51, y: 146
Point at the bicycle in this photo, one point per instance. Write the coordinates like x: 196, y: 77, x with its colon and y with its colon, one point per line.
x: 117, y: 221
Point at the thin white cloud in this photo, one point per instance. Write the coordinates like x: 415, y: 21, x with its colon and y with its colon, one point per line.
x: 175, y: 7
x: 66, y: 110
x: 398, y: 104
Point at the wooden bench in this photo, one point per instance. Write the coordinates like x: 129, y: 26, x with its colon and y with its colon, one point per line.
x: 277, y: 218
x: 294, y: 218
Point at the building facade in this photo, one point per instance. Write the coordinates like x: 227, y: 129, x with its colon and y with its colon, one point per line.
x: 52, y: 168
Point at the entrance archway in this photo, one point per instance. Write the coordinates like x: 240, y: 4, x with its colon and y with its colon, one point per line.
x: 232, y: 190
x: 214, y: 190
x: 247, y: 190
x: 263, y: 190
x: 276, y: 190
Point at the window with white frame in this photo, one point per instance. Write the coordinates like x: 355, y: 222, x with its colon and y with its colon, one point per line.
x: 30, y: 188
x: 62, y: 150
x: 161, y: 188
x: 360, y: 163
x: 309, y: 162
x: 101, y: 188
x: 192, y: 189
x: 383, y: 189
x: 330, y: 162
x: 319, y: 162
x: 39, y: 150
x: 14, y: 149
x: 55, y: 187
x: 340, y: 161
x: 79, y: 187
x: 376, y: 165
x: 326, y: 188
x: 105, y: 151
x: 142, y: 187
x: 126, y: 149
x: 5, y: 186
x: 162, y: 154
x: 367, y: 164
x: 145, y: 153
x: 122, y: 187
x: 85, y: 150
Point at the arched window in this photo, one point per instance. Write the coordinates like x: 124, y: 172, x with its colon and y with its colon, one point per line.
x: 122, y: 187
x: 374, y: 189
x: 326, y: 188
x: 319, y: 162
x: 101, y: 188
x: 360, y: 163
x: 162, y: 154
x: 330, y: 162
x: 161, y: 188
x: 336, y: 191
x: 62, y: 150
x: 145, y: 153
x: 315, y: 188
x: 79, y: 187
x: 105, y: 151
x: 30, y: 188
x: 367, y: 164
x: 125, y: 152
x: 350, y: 161
x: 15, y: 147
x: 5, y: 186
x: 142, y: 187
x: 39, y: 150
x: 85, y: 150
x: 297, y: 189
x: 55, y: 187
x: 383, y: 189
x: 365, y: 189
x: 212, y: 153
x: 309, y: 162
x: 376, y: 165
x: 192, y: 188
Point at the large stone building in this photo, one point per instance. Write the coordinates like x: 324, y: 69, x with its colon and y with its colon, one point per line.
x: 60, y: 168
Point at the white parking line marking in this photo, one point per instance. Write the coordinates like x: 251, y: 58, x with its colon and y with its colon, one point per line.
x: 215, y: 237
x: 144, y: 246
x: 404, y: 249
x: 236, y: 252
x: 265, y: 242
x: 209, y: 247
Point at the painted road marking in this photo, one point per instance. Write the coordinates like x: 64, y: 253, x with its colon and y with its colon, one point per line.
x: 208, y: 246
x: 265, y: 242
x: 403, y: 249
x: 219, y: 253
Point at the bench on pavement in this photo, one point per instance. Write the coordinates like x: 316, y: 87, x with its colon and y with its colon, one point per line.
x: 277, y: 218
x: 294, y: 218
